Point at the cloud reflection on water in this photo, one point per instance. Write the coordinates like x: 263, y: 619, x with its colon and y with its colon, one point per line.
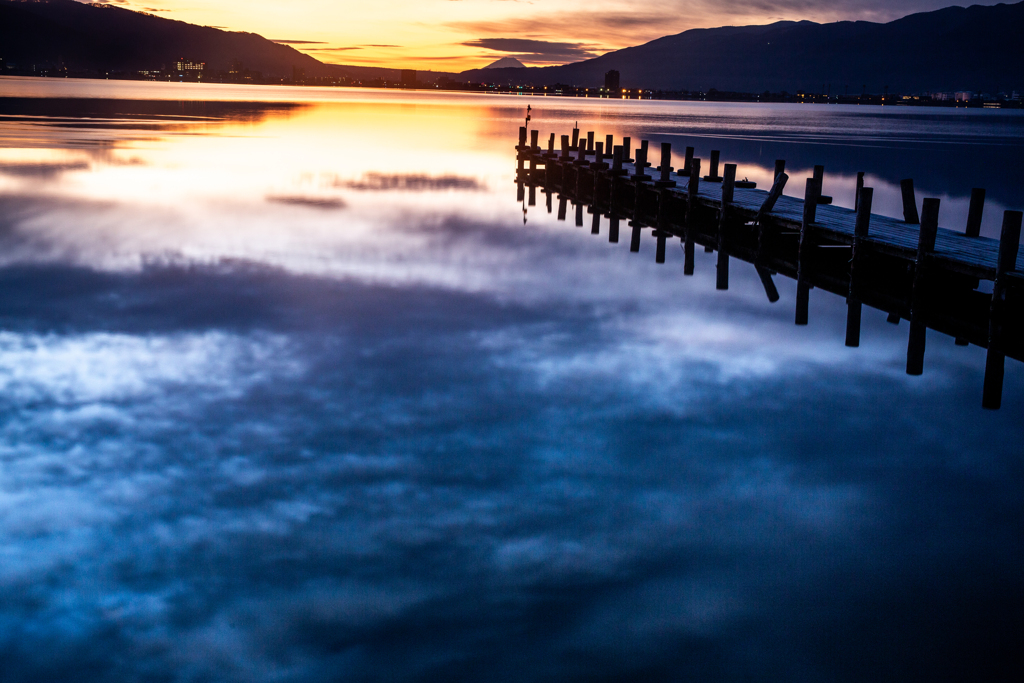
x: 415, y: 439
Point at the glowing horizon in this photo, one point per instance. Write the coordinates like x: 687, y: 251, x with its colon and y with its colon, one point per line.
x: 455, y: 35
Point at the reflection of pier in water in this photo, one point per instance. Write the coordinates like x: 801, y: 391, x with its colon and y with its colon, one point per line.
x: 909, y: 268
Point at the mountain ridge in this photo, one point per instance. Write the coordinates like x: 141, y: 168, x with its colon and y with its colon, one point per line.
x: 977, y: 47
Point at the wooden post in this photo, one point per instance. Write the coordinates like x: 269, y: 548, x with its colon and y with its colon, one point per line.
x: 575, y: 139
x: 609, y: 141
x: 687, y: 163
x: 522, y: 138
x: 532, y: 196
x: 666, y: 166
x: 613, y: 229
x: 974, y: 212
x: 595, y: 225
x: 561, y: 207
x: 728, y: 190
x: 641, y: 163
x: 660, y: 254
x: 768, y: 284
x: 547, y: 195
x: 634, y: 242
x: 853, y: 314
x: 925, y: 247
x: 860, y: 232
x: 535, y: 140
x: 893, y: 318
x: 617, y: 161
x: 590, y: 142
x: 520, y: 192
x: 772, y: 198
x: 712, y: 175
x: 860, y: 186
x: 909, y: 202
x: 780, y: 167
x: 1009, y: 244
x: 811, y: 192
x: 626, y: 150
x: 565, y: 147
x: 551, y: 146
x: 691, y: 215
x: 579, y: 214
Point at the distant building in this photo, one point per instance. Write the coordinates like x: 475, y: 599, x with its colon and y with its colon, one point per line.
x: 408, y: 78
x: 298, y: 75
x: 964, y: 96
x: 189, y: 69
x: 611, y: 81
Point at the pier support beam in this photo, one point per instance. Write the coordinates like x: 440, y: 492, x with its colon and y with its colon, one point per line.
x: 812, y: 190
x: 975, y: 211
x: 909, y: 201
x: 691, y: 215
x: 1009, y: 244
x: 728, y: 190
x: 925, y: 247
x: 865, y: 195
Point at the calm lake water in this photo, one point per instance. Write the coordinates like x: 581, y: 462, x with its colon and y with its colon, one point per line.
x: 289, y: 391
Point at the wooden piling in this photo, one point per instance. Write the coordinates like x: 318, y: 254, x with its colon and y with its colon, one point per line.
x: 865, y: 196
x: 691, y: 215
x: 609, y: 142
x: 687, y: 163
x: 579, y: 214
x: 634, y: 242
x: 666, y: 167
x: 812, y: 190
x: 626, y: 151
x: 575, y: 139
x: 562, y: 201
x: 1009, y: 245
x: 522, y: 138
x: 535, y: 140
x: 613, y: 229
x: 595, y: 225
x: 728, y: 191
x: 532, y: 198
x: 975, y: 211
x: 909, y: 201
x: 712, y: 175
x: 769, y: 285
x: 925, y: 247
x: 590, y: 142
x: 860, y: 186
x: 565, y: 147
x: 780, y: 168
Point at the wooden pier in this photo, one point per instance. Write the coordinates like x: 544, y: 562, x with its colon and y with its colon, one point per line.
x: 908, y: 267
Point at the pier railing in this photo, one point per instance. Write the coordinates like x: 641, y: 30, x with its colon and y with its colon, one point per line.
x: 910, y: 268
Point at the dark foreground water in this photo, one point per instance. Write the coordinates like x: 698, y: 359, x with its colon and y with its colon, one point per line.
x: 289, y: 392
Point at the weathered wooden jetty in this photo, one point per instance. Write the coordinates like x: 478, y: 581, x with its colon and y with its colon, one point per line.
x: 910, y: 268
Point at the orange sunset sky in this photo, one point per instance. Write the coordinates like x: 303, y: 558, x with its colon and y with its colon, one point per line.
x: 454, y: 35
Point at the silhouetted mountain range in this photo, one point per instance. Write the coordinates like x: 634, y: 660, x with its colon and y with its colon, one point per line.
x: 103, y: 38
x: 977, y: 48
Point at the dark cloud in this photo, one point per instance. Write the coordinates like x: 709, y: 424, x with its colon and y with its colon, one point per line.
x: 298, y: 42
x: 536, y: 50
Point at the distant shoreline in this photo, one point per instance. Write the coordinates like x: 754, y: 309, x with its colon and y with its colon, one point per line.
x: 571, y: 92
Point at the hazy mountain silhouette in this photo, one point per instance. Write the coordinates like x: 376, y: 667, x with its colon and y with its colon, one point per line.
x: 977, y: 48
x: 506, y: 63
